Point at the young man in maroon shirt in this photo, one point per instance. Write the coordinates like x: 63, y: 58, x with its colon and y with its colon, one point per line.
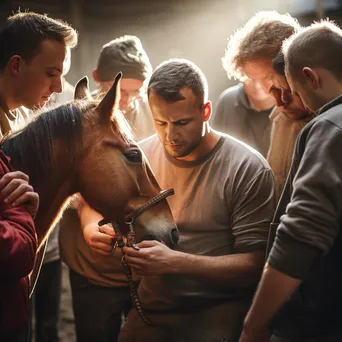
x: 34, y: 50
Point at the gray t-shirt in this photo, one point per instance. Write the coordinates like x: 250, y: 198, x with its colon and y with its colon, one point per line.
x: 223, y: 204
x: 233, y: 115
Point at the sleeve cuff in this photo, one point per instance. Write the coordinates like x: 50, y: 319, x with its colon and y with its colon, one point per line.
x: 292, y: 257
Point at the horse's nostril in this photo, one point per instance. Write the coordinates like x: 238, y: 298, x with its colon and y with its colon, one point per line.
x: 175, y: 235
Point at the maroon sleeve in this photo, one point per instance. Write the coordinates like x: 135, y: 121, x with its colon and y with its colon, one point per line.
x: 18, y: 240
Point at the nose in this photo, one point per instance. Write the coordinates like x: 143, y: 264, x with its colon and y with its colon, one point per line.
x: 171, y: 133
x: 57, y: 85
x: 276, y: 93
x: 286, y: 96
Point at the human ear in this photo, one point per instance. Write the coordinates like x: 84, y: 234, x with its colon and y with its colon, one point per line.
x: 312, y: 77
x: 14, y: 65
x: 207, y: 110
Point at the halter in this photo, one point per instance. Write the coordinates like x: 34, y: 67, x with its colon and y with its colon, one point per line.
x: 130, y: 242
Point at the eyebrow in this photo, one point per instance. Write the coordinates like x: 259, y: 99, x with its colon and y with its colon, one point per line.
x: 54, y: 68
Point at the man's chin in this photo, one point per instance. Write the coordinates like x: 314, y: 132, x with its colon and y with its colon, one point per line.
x: 38, y: 105
x: 176, y: 154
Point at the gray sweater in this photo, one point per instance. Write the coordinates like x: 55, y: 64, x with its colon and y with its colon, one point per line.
x: 308, y: 243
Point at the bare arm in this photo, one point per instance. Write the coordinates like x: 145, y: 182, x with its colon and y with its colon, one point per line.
x: 154, y: 258
x: 274, y: 290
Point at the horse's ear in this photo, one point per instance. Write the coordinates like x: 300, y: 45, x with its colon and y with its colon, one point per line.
x: 82, y: 91
x: 111, y: 100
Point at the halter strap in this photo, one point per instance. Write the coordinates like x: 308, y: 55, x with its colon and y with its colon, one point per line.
x: 130, y: 218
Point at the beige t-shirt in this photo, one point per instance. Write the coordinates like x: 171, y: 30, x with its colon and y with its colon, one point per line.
x: 12, y: 120
x: 223, y: 204
x: 140, y: 119
x: 74, y: 251
x: 283, y: 139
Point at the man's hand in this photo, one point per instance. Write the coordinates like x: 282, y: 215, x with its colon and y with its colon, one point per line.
x: 153, y: 258
x: 15, y: 190
x: 100, y: 239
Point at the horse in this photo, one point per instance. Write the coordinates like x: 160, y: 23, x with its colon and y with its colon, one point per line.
x: 85, y: 147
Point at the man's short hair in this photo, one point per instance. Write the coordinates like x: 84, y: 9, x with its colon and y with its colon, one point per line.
x: 171, y: 76
x: 124, y: 54
x: 23, y: 33
x: 260, y: 38
x: 278, y: 63
x: 316, y: 46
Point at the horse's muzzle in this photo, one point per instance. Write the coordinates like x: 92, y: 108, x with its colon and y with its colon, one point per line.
x: 170, y: 238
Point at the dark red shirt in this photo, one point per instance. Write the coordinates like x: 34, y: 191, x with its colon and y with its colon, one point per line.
x: 18, y: 246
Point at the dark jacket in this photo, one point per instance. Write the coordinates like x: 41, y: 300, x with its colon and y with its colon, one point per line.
x: 18, y: 245
x: 308, y: 242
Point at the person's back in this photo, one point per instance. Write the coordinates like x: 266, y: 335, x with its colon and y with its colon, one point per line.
x: 235, y: 116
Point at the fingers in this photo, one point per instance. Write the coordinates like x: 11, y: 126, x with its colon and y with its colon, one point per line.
x: 148, y: 243
x: 29, y: 196
x: 101, y: 238
x: 14, y: 191
x: 102, y: 245
x: 108, y: 230
x: 8, y: 177
x: 129, y: 251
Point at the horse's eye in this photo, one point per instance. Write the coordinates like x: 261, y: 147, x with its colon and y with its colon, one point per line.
x: 134, y: 156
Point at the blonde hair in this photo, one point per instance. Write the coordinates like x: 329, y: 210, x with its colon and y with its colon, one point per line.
x: 260, y: 38
x: 316, y: 46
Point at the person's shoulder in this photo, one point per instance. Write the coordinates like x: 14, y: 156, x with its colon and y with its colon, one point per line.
x: 231, y: 93
x: 240, y: 153
x: 332, y: 115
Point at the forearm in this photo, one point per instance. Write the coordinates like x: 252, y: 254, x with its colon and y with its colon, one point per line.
x: 18, y: 246
x: 241, y: 270
x: 274, y: 290
x: 87, y: 214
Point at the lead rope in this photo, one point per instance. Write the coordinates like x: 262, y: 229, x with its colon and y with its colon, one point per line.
x: 132, y: 289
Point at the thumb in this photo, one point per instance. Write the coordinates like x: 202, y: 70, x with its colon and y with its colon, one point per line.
x: 148, y: 243
x: 108, y: 230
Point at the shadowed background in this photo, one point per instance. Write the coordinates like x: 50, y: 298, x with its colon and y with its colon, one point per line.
x: 193, y: 29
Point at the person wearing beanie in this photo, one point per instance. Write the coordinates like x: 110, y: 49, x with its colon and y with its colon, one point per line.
x: 100, y: 290
x: 126, y: 54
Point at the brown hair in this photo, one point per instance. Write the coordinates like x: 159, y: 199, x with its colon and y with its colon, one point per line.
x: 260, y: 38
x: 23, y: 33
x: 171, y: 76
x: 319, y: 45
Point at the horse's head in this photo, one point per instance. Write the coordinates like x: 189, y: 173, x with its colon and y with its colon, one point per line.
x: 113, y: 174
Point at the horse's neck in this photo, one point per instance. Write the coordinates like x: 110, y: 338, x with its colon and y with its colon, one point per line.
x: 53, y: 197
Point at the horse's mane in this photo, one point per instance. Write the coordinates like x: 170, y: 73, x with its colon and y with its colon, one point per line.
x: 32, y: 147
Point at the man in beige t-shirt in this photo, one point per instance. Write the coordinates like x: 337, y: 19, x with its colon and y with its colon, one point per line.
x: 223, y: 205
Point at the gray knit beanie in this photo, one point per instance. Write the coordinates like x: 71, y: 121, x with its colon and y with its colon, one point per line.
x: 124, y: 54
